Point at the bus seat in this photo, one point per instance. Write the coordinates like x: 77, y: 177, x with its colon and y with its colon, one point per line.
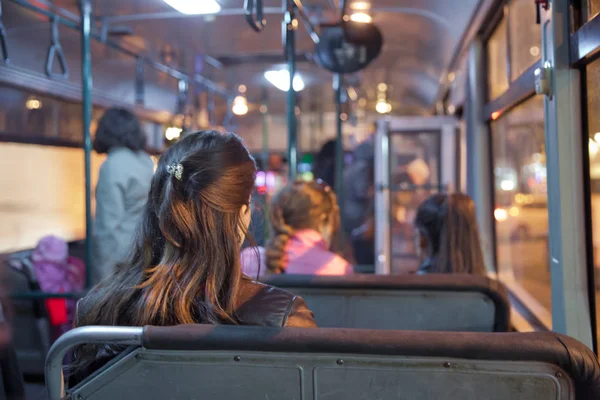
x: 30, y: 318
x: 240, y: 362
x: 464, y: 303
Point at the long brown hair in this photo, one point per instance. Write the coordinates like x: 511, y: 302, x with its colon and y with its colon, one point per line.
x: 449, y: 223
x: 300, y: 205
x: 185, y: 266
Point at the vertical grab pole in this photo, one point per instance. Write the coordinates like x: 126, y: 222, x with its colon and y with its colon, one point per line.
x: 339, y: 144
x: 264, y: 110
x: 383, y: 229
x: 290, y: 52
x: 86, y: 87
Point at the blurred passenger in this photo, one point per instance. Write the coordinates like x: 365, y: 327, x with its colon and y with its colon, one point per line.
x: 57, y: 272
x: 12, y: 386
x: 122, y: 188
x: 447, y: 237
x: 359, y: 180
x: 185, y: 265
x: 305, y: 221
x: 324, y: 164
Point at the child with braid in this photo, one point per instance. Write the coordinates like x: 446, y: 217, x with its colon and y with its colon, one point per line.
x: 305, y: 220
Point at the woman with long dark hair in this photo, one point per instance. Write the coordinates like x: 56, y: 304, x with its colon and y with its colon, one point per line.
x: 185, y: 266
x: 447, y: 237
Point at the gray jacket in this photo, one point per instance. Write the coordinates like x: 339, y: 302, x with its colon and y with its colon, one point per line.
x: 121, y: 196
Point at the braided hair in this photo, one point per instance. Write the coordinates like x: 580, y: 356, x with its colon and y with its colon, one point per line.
x: 300, y: 205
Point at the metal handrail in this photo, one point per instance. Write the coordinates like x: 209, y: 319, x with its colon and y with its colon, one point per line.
x: 3, y: 39
x: 56, y: 51
x: 174, y: 73
x: 85, y: 335
x: 253, y: 10
x: 45, y: 295
x: 310, y: 28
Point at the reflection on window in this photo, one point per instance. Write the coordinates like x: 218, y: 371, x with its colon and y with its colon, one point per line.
x: 525, y: 37
x: 593, y: 8
x: 496, y: 57
x: 593, y: 104
x: 521, y: 210
x: 30, y: 115
x: 414, y: 163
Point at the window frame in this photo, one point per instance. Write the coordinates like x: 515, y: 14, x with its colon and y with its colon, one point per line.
x: 584, y: 49
x: 519, y: 90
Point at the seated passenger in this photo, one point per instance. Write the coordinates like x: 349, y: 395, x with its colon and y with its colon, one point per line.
x: 304, y: 219
x: 185, y: 265
x: 447, y: 237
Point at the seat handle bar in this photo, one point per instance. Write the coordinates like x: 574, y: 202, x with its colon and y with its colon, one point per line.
x: 85, y: 335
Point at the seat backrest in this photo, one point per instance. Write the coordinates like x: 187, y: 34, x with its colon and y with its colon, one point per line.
x: 444, y: 302
x: 30, y: 319
x: 233, y: 362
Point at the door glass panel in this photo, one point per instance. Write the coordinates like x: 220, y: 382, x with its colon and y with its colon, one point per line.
x: 497, y: 61
x: 521, y: 209
x: 525, y: 37
x: 415, y: 175
x: 593, y: 104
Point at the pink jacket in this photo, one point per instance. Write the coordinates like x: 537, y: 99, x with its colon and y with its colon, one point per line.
x: 307, y: 254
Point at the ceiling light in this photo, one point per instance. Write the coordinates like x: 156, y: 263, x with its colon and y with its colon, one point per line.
x: 281, y: 80
x: 240, y: 106
x: 360, y: 5
x: 593, y: 148
x: 33, y: 104
x: 383, y: 107
x: 361, y: 17
x: 382, y: 87
x: 195, y: 7
x: 534, y: 51
x: 242, y: 88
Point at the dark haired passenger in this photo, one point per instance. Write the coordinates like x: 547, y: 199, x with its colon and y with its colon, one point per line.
x: 324, y: 164
x: 185, y: 266
x: 122, y: 188
x: 447, y: 237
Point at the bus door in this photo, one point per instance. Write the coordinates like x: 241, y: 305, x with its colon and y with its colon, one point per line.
x: 415, y: 157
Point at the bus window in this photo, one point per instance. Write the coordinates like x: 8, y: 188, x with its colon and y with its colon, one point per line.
x: 593, y: 104
x: 521, y: 211
x: 525, y: 37
x: 496, y: 53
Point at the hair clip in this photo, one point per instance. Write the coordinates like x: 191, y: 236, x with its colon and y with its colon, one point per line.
x: 175, y: 170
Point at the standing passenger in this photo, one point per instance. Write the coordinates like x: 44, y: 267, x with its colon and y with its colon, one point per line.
x: 122, y: 189
x: 447, y: 237
x: 305, y: 220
